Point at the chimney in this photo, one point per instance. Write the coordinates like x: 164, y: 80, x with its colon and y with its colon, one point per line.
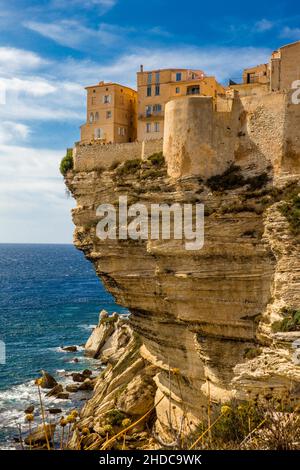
x: 142, y: 69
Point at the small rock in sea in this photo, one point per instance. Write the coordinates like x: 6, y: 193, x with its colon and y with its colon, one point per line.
x: 75, y: 359
x: 55, y: 391
x: 29, y: 410
x: 87, y: 385
x: 63, y: 396
x: 47, y: 381
x: 73, y: 388
x: 70, y: 348
x: 39, y: 435
x: 77, y: 377
x: 54, y: 411
x: 87, y: 373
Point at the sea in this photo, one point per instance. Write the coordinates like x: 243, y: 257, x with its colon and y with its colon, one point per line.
x: 50, y: 297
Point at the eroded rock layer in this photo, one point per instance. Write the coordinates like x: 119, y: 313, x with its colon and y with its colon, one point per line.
x: 201, y: 320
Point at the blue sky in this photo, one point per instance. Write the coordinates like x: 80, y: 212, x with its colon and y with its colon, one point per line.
x: 49, y: 50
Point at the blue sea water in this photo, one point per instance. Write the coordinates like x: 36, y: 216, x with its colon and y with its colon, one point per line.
x: 50, y: 296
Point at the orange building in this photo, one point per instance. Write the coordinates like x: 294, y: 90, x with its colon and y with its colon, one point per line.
x: 111, y: 114
x: 157, y: 87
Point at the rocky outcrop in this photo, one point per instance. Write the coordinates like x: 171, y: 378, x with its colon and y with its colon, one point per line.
x: 201, y: 321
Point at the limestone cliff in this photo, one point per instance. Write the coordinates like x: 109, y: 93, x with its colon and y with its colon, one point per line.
x: 202, y: 320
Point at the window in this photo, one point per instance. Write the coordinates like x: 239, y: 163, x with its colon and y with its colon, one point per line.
x: 106, y: 99
x: 177, y: 89
x: 156, y: 127
x: 148, y: 127
x: 149, y: 91
x: 193, y: 90
x: 157, y: 90
x: 150, y: 77
x: 91, y: 118
x: 178, y: 76
x: 157, y: 108
x: 99, y: 133
x: 121, y: 131
x: 251, y: 77
x: 108, y: 114
x: 157, y: 77
x: 148, y: 110
x: 97, y: 116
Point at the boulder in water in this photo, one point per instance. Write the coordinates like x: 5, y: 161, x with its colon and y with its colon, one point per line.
x: 70, y: 348
x: 63, y: 396
x: 47, y: 381
x: 54, y: 411
x: 55, y: 391
x: 29, y: 410
x: 38, y: 436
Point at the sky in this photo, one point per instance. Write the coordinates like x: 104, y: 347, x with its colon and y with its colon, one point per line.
x: 50, y: 50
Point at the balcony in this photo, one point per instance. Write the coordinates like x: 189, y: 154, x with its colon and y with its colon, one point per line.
x: 153, y: 115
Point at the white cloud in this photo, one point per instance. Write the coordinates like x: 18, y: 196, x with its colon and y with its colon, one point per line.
x: 102, y: 6
x: 263, y: 25
x: 73, y: 34
x: 40, y: 99
x: 219, y: 61
x: 33, y: 86
x: 13, y: 132
x: 291, y: 33
x: 15, y: 60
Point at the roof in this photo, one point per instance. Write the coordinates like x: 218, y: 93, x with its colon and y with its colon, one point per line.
x: 290, y: 44
x: 100, y: 84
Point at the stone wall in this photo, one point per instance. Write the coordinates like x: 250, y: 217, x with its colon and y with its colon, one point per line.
x: 255, y: 132
x: 96, y: 156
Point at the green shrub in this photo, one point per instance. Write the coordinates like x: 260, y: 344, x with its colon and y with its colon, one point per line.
x: 257, y: 182
x: 230, y: 179
x: 291, y: 210
x: 291, y: 322
x: 157, y: 159
x: 115, y: 417
x: 236, y: 424
x: 67, y: 163
x: 129, y: 167
x: 152, y: 173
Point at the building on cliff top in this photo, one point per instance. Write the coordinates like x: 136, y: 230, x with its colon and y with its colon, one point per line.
x: 111, y: 114
x: 157, y: 87
x: 278, y: 74
x: 118, y: 114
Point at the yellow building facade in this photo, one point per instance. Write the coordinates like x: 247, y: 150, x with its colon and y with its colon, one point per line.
x: 111, y: 114
x: 157, y: 87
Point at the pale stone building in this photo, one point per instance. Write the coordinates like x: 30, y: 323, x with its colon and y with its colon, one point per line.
x: 278, y: 74
x: 157, y: 87
x: 111, y: 114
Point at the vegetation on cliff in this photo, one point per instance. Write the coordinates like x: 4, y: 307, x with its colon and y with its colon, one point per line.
x: 67, y: 162
x: 291, y: 322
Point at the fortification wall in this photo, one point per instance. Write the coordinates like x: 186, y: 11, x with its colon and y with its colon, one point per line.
x: 97, y: 156
x: 256, y: 132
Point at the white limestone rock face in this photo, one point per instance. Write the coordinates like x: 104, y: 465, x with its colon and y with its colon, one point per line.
x: 195, y: 315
